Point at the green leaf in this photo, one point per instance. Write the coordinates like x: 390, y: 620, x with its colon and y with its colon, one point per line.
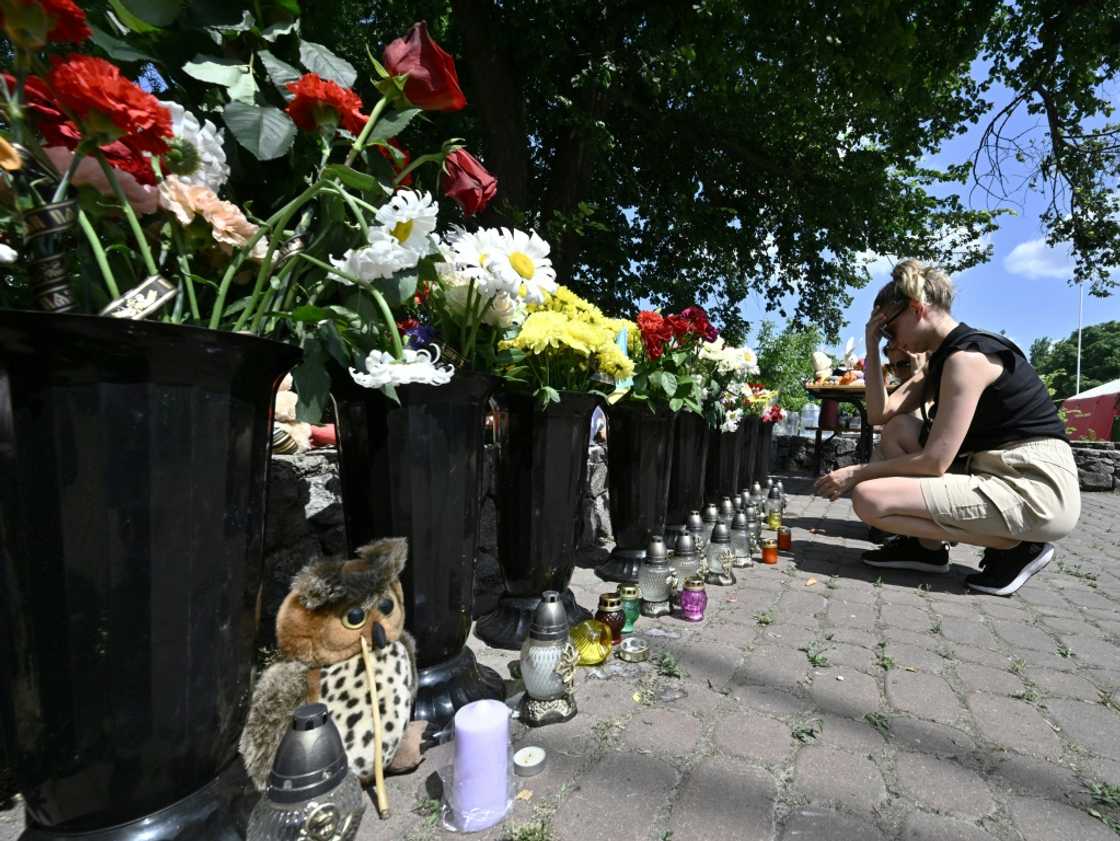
x: 668, y: 383
x: 328, y: 331
x: 352, y: 178
x: 397, y: 289
x: 216, y: 71
x: 246, y: 23
x: 318, y: 59
x: 289, y: 6
x: 675, y: 404
x: 117, y: 49
x: 271, y: 33
x: 390, y: 125
x: 361, y: 303
x: 280, y: 72
x: 129, y: 19
x: 312, y: 382
x: 266, y: 132
x: 154, y: 12
x: 310, y: 314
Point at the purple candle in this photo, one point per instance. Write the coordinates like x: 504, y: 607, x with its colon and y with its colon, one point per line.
x: 481, y: 787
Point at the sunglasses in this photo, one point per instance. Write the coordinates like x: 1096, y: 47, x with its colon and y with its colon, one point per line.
x: 884, y: 328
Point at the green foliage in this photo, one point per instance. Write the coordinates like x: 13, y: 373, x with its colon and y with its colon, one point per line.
x: 1056, y: 361
x: 786, y: 361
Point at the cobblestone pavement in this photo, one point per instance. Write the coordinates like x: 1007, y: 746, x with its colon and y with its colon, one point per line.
x: 822, y: 701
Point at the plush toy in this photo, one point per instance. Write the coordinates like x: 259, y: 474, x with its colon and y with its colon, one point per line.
x: 332, y: 606
x: 822, y: 366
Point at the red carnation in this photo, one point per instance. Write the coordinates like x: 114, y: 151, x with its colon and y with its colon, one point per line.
x: 466, y: 181
x: 26, y: 20
x: 314, y: 95
x: 432, y: 81
x: 109, y: 106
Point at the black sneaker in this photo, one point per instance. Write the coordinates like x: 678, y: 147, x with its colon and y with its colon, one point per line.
x: 1003, y: 571
x: 908, y: 553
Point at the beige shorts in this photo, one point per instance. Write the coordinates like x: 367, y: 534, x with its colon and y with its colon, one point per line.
x: 1026, y: 491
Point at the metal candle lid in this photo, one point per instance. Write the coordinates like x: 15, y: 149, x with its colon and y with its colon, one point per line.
x: 695, y: 522
x: 656, y: 550
x: 629, y: 592
x: 739, y: 521
x: 721, y: 533
x: 726, y: 508
x: 711, y: 513
x: 694, y: 582
x: 685, y: 546
x: 550, y: 619
x: 769, y: 543
x: 756, y: 489
x: 310, y: 760
x: 611, y: 601
x: 737, y: 501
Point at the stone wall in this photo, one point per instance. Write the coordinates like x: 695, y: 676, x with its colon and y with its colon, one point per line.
x: 1098, y: 465
x: 794, y: 454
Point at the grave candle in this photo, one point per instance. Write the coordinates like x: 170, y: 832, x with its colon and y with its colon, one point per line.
x: 481, y: 765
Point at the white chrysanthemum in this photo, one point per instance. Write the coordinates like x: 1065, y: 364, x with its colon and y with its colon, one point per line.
x: 381, y: 258
x: 410, y: 218
x: 8, y: 254
x: 468, y: 254
x: 731, y: 420
x: 523, y: 265
x: 206, y: 138
x: 750, y: 361
x: 418, y: 366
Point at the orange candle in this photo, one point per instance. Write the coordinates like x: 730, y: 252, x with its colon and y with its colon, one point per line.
x: 769, y: 551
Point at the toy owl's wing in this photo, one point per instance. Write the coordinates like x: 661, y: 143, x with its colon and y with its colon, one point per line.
x: 410, y: 645
x: 280, y: 689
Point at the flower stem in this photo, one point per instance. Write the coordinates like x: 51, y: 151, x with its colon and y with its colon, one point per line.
x: 360, y: 140
x: 98, y: 254
x: 64, y: 183
x: 129, y: 214
x: 185, y: 269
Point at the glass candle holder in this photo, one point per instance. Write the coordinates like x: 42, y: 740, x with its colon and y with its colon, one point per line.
x: 694, y: 599
x: 695, y: 526
x: 785, y: 539
x: 769, y: 551
x: 631, y: 605
x: 611, y: 614
x: 774, y: 520
x: 592, y: 640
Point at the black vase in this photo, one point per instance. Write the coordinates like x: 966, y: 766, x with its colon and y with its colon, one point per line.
x: 541, y: 473
x: 412, y: 470
x: 690, y: 464
x: 762, y: 452
x: 725, y: 454
x: 135, y: 461
x: 639, y: 466
x: 752, y: 428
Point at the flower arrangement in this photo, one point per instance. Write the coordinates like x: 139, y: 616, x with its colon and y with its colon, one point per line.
x: 566, y: 344
x: 667, y: 370
x: 726, y: 370
x: 758, y: 399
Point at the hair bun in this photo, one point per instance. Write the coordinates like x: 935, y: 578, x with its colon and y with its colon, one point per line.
x: 910, y: 279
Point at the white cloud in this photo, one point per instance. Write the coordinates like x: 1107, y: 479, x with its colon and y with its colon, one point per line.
x: 1036, y: 260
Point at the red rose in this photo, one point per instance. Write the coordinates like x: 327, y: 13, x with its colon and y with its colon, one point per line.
x: 679, y: 325
x: 109, y: 106
x: 656, y: 331
x: 466, y: 181
x: 432, y: 81
x: 699, y: 324
x: 26, y: 21
x: 313, y: 94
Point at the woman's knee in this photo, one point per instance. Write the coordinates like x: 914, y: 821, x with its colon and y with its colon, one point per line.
x: 900, y: 436
x: 865, y: 502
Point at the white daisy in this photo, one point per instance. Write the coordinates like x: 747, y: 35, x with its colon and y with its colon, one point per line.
x: 211, y: 169
x: 468, y: 254
x: 410, y: 218
x: 418, y: 366
x: 523, y: 265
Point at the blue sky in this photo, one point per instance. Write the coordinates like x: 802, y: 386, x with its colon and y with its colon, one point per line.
x: 1023, y: 289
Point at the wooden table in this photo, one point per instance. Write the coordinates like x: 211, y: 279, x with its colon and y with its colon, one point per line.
x: 854, y: 395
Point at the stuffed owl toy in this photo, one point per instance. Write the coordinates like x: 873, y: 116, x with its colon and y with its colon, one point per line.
x: 332, y: 606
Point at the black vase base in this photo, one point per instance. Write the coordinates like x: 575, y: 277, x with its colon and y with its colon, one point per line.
x: 219, y: 811
x: 655, y: 609
x: 720, y: 579
x: 507, y: 626
x: 540, y: 713
x: 623, y: 566
x: 447, y: 686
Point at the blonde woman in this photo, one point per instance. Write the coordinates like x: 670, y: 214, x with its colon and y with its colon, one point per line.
x: 993, y: 467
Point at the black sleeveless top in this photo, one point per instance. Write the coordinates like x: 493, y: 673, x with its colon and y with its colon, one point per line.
x: 1013, y: 408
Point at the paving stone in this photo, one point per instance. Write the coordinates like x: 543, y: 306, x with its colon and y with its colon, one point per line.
x: 923, y: 659
x: 746, y: 733
x: 855, y: 636
x: 1038, y: 778
x: 969, y: 632
x: 1092, y: 650
x: 815, y: 823
x: 1040, y: 820
x: 983, y: 679
x: 1042, y: 597
x: 980, y: 656
x: 921, y: 638
x: 1007, y: 611
x: 1093, y: 726
x: 663, y: 731
x: 850, y: 734
x: 943, y: 785
x: 909, y: 618
x: 710, y: 664
x: 1020, y: 635
x: 852, y: 614
x: 771, y: 701
x: 765, y: 666
x: 921, y: 826
x: 825, y: 775
x: 618, y: 791
x: 1013, y: 724
x: 848, y: 657
x: 807, y: 604
x: 1070, y: 625
x: 722, y: 799
x: 929, y: 737
x: 923, y: 695
x: 853, y: 696
x: 1062, y: 684
x: 953, y: 607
